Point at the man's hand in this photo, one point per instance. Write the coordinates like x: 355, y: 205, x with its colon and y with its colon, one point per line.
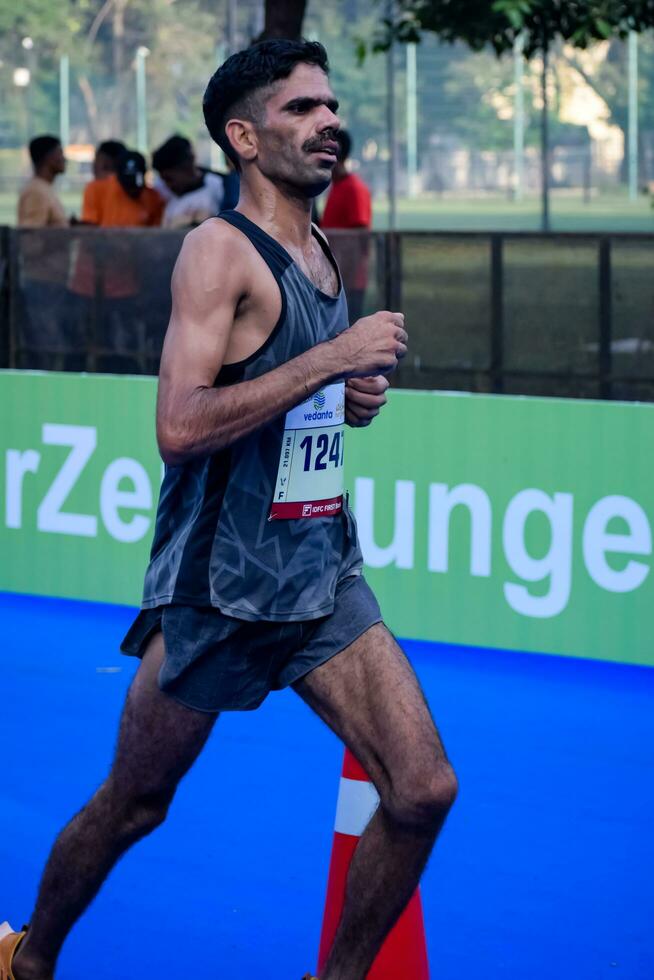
x: 364, y: 398
x: 373, y: 345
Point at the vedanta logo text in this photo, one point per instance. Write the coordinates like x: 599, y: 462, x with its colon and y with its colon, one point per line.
x: 317, y: 416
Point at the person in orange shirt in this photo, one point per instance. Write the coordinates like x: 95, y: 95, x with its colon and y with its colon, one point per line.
x: 122, y: 200
x: 107, y: 155
x: 107, y: 267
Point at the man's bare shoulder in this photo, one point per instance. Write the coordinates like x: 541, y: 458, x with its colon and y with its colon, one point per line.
x: 216, y: 236
x: 211, y: 248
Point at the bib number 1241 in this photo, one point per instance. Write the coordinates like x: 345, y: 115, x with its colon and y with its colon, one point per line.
x: 310, y: 473
x: 321, y: 451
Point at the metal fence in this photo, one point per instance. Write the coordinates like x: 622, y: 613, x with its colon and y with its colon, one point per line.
x: 564, y: 315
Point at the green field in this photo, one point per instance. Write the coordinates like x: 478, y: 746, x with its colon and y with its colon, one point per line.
x: 489, y: 213
x: 492, y: 213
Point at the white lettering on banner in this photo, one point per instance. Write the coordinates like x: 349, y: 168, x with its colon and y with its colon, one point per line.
x: 554, y: 568
x: 556, y: 564
x: 400, y: 551
x: 442, y: 502
x: 111, y: 498
x: 82, y: 439
x: 125, y: 486
x: 597, y: 542
x: 18, y: 464
x: 50, y: 517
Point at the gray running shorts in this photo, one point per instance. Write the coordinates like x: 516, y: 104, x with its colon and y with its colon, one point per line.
x: 215, y: 663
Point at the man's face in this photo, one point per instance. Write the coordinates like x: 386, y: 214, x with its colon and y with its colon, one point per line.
x: 180, y: 178
x: 295, y: 141
x: 57, y: 160
x: 103, y: 166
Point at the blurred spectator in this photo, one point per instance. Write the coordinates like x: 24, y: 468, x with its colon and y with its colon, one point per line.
x: 44, y: 254
x: 122, y: 200
x: 349, y: 206
x: 195, y: 193
x: 38, y: 205
x: 106, y: 276
x: 106, y: 158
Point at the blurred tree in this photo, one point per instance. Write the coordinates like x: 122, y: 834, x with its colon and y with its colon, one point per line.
x: 539, y: 23
x: 609, y: 80
x: 283, y: 19
x: 361, y: 90
x: 101, y: 38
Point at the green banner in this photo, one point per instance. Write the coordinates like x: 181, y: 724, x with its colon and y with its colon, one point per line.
x: 519, y: 523
x: 79, y: 486
x: 494, y: 521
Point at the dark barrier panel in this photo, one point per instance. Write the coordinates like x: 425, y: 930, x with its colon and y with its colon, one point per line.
x: 4, y: 297
x: 90, y: 300
x: 520, y: 313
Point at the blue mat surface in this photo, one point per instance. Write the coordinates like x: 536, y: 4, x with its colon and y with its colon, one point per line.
x: 543, y: 872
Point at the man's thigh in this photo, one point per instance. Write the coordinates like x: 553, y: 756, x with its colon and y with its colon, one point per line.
x: 370, y: 697
x: 159, y: 739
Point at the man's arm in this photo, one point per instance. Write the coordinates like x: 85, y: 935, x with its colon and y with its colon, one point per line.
x: 195, y: 419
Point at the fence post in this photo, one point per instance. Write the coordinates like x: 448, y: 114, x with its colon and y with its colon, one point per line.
x: 5, y: 321
x: 10, y: 248
x: 497, y: 313
x: 392, y: 271
x: 396, y: 272
x: 605, y: 318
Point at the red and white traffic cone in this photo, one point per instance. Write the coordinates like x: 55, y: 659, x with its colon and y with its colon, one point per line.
x: 404, y: 953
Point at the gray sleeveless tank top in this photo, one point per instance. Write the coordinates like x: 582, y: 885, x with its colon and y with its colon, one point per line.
x: 215, y: 543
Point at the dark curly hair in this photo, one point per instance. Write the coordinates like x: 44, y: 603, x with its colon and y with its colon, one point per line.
x: 237, y: 84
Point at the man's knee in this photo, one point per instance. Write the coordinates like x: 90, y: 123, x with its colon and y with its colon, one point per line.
x: 138, y: 814
x: 421, y: 798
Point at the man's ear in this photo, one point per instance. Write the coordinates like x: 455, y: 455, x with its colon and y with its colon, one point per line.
x: 242, y: 136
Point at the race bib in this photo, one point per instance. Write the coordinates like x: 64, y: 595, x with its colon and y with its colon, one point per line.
x: 310, y: 473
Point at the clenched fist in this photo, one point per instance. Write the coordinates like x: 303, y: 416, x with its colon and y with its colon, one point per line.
x: 373, y: 345
x: 364, y: 398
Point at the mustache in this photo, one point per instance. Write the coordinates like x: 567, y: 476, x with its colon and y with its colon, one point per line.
x: 318, y: 143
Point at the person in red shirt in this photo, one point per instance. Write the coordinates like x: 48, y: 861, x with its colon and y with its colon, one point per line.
x: 349, y: 206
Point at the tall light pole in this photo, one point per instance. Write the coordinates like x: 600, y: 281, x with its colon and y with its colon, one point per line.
x: 411, y: 119
x: 64, y: 100
x: 28, y: 46
x: 632, y: 126
x: 545, y: 145
x: 141, y: 100
x: 232, y: 26
x: 390, y: 125
x: 22, y: 79
x: 518, y: 119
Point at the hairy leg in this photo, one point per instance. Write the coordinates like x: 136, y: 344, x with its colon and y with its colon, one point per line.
x: 370, y: 696
x: 158, y: 742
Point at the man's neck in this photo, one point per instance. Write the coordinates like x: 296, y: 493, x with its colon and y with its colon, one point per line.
x: 44, y: 173
x: 283, y: 215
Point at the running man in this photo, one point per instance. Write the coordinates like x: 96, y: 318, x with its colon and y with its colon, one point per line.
x: 255, y: 576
